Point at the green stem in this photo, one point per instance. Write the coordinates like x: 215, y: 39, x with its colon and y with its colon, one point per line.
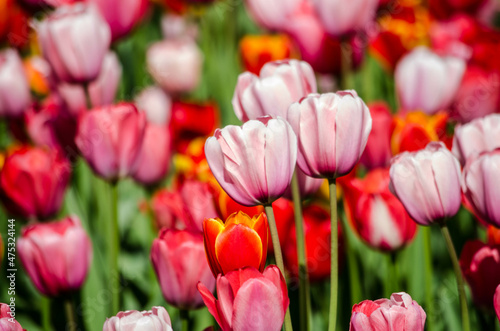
x: 391, y: 280
x: 45, y: 303
x: 334, y: 255
x: 458, y: 274
x: 277, y: 255
x: 352, y: 264
x: 184, y: 316
x: 304, y: 296
x: 426, y: 235
x: 113, y: 251
x: 346, y: 51
x: 88, y: 100
x: 70, y: 315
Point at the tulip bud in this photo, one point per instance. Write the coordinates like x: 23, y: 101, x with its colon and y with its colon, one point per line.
x: 14, y: 89
x: 74, y: 40
x: 180, y: 263
x: 427, y: 183
x: 7, y: 322
x: 399, y: 312
x: 156, y: 104
x: 156, y: 319
x: 258, y: 301
x: 56, y: 255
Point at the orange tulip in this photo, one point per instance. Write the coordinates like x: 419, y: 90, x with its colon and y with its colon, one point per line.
x: 239, y: 242
x: 257, y: 50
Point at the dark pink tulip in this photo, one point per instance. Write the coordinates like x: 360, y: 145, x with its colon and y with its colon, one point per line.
x: 427, y: 82
x: 272, y: 15
x: 74, y: 40
x: 14, y: 89
x: 399, y: 312
x: 156, y: 104
x: 427, y: 183
x: 248, y: 300
x: 110, y: 139
x: 253, y: 163
x: 121, y: 15
x: 332, y: 131
x: 180, y: 262
x: 496, y: 302
x: 480, y: 135
x: 156, y: 319
x: 280, y: 84
x: 481, y: 188
x: 56, y: 255
x: 7, y: 322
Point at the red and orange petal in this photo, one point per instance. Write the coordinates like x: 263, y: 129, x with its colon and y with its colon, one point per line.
x: 493, y: 234
x: 36, y: 79
x: 211, y: 229
x: 257, y: 50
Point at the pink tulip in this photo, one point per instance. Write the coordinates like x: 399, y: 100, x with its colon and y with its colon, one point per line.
x: 121, y: 15
x: 153, y: 160
x: 332, y: 131
x: 280, y: 84
x: 175, y: 64
x: 36, y: 4
x: 7, y: 321
x: 341, y: 17
x: 496, y: 302
x: 480, y: 186
x: 74, y: 40
x: 248, y: 300
x: 56, y: 255
x: 110, y: 139
x: 425, y: 81
x: 427, y: 183
x: 272, y: 15
x: 480, y: 135
x: 14, y: 89
x: 253, y: 163
x: 399, y: 312
x: 175, y: 26
x: 180, y: 263
x: 156, y: 319
x: 156, y: 104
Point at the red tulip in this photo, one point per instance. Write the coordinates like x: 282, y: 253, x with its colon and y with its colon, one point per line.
x: 33, y: 181
x: 179, y: 261
x: 14, y: 89
x: 238, y: 242
x: 156, y: 319
x: 442, y: 9
x: 7, y: 320
x: 248, y: 300
x: 56, y: 255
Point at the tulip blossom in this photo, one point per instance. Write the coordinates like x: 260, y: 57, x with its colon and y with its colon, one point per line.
x: 74, y: 40
x: 378, y: 147
x: 279, y: 85
x: 180, y: 263
x: 257, y: 50
x: 399, y: 312
x: 480, y: 264
x: 7, y: 321
x: 375, y: 214
x: 340, y: 118
x: 175, y: 26
x: 14, y: 89
x: 156, y: 319
x: 175, y: 64
x: 425, y: 81
x: 56, y: 255
x: 480, y: 187
x: 248, y: 300
x: 272, y: 15
x: 33, y: 181
x: 110, y: 139
x: 239, y: 233
x: 427, y: 183
x: 156, y: 104
x: 496, y: 302
x: 253, y: 163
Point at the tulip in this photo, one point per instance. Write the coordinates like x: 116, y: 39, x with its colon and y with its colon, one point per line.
x: 175, y: 64
x: 340, y: 17
x: 14, y: 89
x: 179, y: 261
x: 425, y: 81
x: 7, y: 322
x: 253, y: 163
x: 442, y: 9
x: 280, y: 84
x: 175, y: 26
x: 427, y: 183
x: 156, y: 319
x: 376, y: 214
x: 121, y: 16
x: 156, y: 104
x: 239, y: 233
x: 480, y: 188
x: 496, y: 302
x: 74, y: 40
x: 257, y: 50
x: 169, y: 210
x: 110, y: 139
x: 248, y: 300
x: 271, y: 15
x: 228, y: 206
x: 39, y: 74
x: 340, y: 118
x: 480, y: 135
x: 377, y: 153
x: 480, y: 264
x: 33, y: 181
x: 56, y: 255
x: 399, y: 312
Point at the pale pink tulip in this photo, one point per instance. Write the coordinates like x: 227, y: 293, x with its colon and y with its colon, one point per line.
x: 14, y: 89
x: 272, y: 15
x: 156, y: 104
x: 156, y: 319
x: 7, y: 321
x: 175, y: 26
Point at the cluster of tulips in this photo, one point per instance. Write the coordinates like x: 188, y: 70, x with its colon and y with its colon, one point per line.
x: 148, y: 177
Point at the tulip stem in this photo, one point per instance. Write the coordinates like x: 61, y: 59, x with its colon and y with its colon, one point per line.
x: 88, y: 100
x: 304, y: 297
x: 458, y: 274
x: 113, y: 251
x: 45, y: 308
x: 334, y: 255
x: 345, y: 63
x: 277, y: 255
x: 426, y: 233
x: 184, y: 316
x: 70, y: 315
x: 352, y: 265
